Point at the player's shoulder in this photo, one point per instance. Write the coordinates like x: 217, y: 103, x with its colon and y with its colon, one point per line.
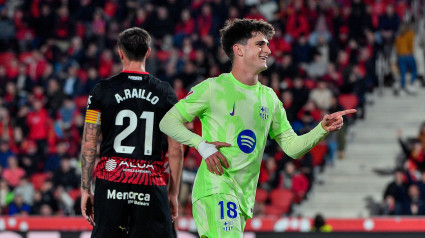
x: 222, y: 78
x: 110, y: 81
x: 159, y: 84
x: 267, y: 89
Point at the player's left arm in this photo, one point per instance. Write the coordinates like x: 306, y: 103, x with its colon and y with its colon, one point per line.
x: 175, y: 161
x: 88, y: 157
x: 89, y: 141
x: 295, y: 146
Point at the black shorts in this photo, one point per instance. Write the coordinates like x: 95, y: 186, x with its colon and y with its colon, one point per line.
x: 130, y: 211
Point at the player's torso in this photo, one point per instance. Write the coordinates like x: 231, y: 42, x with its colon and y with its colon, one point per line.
x: 240, y: 115
x: 132, y: 147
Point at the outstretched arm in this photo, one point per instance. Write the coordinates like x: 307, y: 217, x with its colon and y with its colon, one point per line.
x: 88, y: 157
x: 296, y: 146
x: 335, y: 121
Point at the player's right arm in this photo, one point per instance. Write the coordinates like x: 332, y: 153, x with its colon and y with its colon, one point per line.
x: 172, y: 124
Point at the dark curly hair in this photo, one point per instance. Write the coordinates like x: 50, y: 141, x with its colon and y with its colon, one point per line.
x: 238, y: 31
x: 134, y: 42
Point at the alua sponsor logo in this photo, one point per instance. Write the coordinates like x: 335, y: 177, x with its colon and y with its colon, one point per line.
x: 136, y: 165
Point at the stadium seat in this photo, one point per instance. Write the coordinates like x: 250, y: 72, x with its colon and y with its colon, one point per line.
x: 318, y: 153
x: 81, y: 101
x: 261, y: 195
x: 348, y: 101
x: 282, y: 198
x: 273, y: 210
x: 6, y: 58
x: 38, y: 179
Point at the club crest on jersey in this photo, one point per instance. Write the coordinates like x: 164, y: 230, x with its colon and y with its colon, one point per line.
x: 227, y: 225
x: 190, y: 93
x: 264, y: 112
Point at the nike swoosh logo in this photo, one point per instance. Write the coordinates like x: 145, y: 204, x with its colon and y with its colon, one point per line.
x: 233, y: 112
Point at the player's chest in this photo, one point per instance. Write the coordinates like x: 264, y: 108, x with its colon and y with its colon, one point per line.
x: 248, y: 109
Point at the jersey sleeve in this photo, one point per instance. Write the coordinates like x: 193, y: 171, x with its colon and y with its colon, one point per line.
x: 195, y: 102
x: 93, y: 113
x: 171, y: 97
x: 280, y: 122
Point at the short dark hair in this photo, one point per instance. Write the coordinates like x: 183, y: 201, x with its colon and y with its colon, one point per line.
x: 134, y: 42
x: 240, y: 30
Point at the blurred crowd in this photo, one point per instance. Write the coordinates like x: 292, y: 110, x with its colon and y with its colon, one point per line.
x: 52, y: 52
x: 405, y: 195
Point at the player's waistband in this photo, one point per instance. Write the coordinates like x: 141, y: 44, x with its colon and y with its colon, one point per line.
x: 132, y: 171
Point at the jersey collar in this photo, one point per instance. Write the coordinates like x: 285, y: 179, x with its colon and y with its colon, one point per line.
x: 134, y: 72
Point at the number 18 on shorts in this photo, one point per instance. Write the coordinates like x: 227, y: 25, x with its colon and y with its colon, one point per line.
x: 218, y: 216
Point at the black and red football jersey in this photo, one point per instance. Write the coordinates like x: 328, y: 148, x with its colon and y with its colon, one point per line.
x: 131, y: 105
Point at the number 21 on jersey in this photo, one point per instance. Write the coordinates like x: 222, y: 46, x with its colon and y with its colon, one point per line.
x: 119, y: 120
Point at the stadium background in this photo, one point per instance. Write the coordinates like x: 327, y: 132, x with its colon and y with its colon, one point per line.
x: 326, y: 55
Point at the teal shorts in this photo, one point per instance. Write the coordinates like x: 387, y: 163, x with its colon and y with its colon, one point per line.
x: 218, y: 216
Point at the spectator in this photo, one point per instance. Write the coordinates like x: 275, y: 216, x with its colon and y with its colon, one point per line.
x: 31, y: 158
x: 397, y: 189
x: 388, y: 207
x: 302, y: 50
x: 319, y: 224
x: 421, y: 135
x: 54, y: 159
x: 414, y: 205
x: 205, y: 21
x: 404, y: 46
x: 388, y: 23
x: 322, y: 96
x: 26, y: 190
x: 19, y: 207
x: 287, y: 70
x: 38, y: 122
x: 317, y: 68
x: 47, y: 196
x: 65, y: 202
x: 72, y: 85
x: 55, y: 96
x: 67, y: 113
x: 92, y: 79
x: 6, y: 196
x: 300, y: 94
x: 291, y: 179
x: 160, y: 23
x: 5, y: 153
x: 7, y: 34
x: 12, y: 173
x: 65, y: 176
x: 268, y: 173
x: 23, y: 81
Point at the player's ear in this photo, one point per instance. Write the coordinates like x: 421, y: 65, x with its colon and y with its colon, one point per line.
x: 237, y: 50
x: 148, y: 53
x: 121, y: 54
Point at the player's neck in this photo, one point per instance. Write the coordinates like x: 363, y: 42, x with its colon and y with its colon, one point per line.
x: 134, y: 66
x: 245, y: 76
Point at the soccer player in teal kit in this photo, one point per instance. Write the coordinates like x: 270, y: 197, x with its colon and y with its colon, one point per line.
x: 237, y: 114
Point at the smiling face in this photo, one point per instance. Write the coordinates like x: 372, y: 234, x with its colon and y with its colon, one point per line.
x: 255, y: 52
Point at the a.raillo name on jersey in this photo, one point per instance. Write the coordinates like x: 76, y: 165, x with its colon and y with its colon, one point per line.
x: 136, y: 93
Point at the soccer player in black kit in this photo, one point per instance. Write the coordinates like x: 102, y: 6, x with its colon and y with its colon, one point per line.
x: 130, y: 198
